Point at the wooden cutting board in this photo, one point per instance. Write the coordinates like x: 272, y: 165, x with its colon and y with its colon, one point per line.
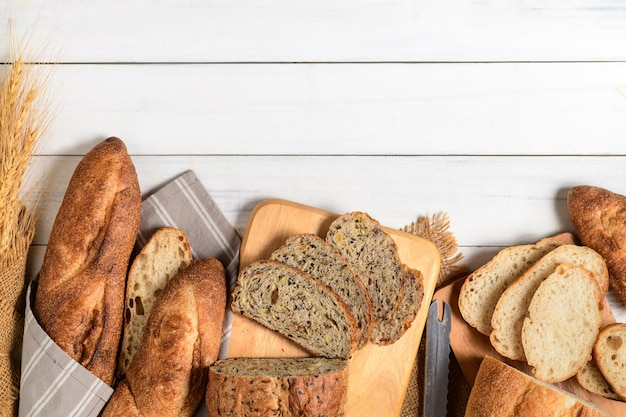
x: 379, y: 375
x: 470, y: 347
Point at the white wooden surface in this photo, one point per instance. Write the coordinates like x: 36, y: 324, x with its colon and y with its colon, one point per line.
x: 486, y: 110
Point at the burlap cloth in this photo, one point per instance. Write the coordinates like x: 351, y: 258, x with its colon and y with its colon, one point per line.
x: 436, y: 229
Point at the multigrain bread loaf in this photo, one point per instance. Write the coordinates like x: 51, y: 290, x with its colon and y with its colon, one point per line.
x: 313, y: 255
x: 500, y: 390
x: 599, y: 217
x: 168, y: 375
x: 392, y: 328
x: 305, y: 387
x: 373, y: 253
x: 482, y: 289
x: 512, y: 306
x: 162, y: 257
x: 80, y: 295
x: 564, y: 319
x: 297, y: 306
x: 610, y: 355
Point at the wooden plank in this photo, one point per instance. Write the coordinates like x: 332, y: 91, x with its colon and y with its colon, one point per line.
x: 376, y: 109
x: 322, y: 31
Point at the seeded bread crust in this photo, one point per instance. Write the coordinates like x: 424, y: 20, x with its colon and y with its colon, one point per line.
x: 313, y: 255
x: 564, y: 319
x: 508, y: 316
x: 299, y: 307
x: 500, y: 390
x: 253, y: 387
x: 610, y: 355
x: 165, y: 254
x: 374, y: 255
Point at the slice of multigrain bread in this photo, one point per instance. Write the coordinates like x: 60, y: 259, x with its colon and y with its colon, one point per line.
x: 610, y: 354
x: 508, y: 316
x: 482, y: 288
x: 373, y: 253
x: 313, y: 255
x: 164, y: 255
x: 294, y: 304
x: 258, y: 387
x: 564, y: 319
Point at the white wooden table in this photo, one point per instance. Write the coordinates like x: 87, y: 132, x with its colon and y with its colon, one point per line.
x: 486, y: 110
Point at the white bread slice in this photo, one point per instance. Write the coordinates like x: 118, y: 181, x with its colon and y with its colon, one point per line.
x: 501, y: 390
x: 482, y: 288
x: 164, y: 255
x: 610, y: 355
x: 564, y: 319
x: 591, y: 379
x: 508, y: 316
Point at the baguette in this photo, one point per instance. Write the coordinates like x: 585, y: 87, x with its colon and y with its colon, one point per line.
x: 501, y: 390
x: 80, y: 295
x: 168, y: 375
x: 610, y: 354
x: 255, y: 387
x: 162, y: 257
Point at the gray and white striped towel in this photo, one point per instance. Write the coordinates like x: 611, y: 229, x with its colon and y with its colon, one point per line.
x: 54, y: 385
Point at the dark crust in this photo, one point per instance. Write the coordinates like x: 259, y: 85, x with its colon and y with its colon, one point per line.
x: 599, y: 217
x: 80, y: 295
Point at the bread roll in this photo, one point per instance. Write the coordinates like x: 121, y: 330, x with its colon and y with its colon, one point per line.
x: 501, y: 390
x: 167, y: 376
x: 599, y: 217
x: 80, y: 295
x: 255, y: 387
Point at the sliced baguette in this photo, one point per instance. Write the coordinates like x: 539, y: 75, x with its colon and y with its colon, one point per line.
x: 512, y: 306
x: 373, y: 254
x: 591, y: 379
x: 564, y: 319
x: 313, y: 255
x: 610, y: 354
x: 256, y: 387
x: 165, y: 254
x: 482, y: 289
x: 501, y: 390
x: 294, y: 304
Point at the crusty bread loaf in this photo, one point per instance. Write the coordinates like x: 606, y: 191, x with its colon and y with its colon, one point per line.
x: 80, y: 294
x: 482, y: 289
x: 292, y: 303
x: 512, y: 306
x: 313, y: 255
x: 591, y: 379
x: 373, y: 253
x: 610, y: 354
x: 500, y: 390
x: 599, y: 217
x: 391, y: 329
x: 305, y: 387
x: 168, y: 375
x: 162, y: 257
x: 564, y: 319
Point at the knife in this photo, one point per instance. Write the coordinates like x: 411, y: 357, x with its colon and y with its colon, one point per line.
x: 437, y: 359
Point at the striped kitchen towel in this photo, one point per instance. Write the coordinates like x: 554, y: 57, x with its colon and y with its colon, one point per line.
x: 52, y: 384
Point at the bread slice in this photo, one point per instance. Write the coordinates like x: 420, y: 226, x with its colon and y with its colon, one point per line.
x: 390, y: 330
x: 610, y: 354
x: 591, y: 379
x: 255, y: 387
x: 564, y: 319
x: 373, y: 254
x: 165, y: 254
x: 512, y: 306
x: 599, y: 217
x: 482, y: 289
x: 501, y: 390
x: 313, y: 255
x: 294, y: 304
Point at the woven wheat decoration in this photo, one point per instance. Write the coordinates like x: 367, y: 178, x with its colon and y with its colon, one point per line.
x: 23, y: 121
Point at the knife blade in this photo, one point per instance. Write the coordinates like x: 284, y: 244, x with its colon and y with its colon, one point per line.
x: 437, y: 359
